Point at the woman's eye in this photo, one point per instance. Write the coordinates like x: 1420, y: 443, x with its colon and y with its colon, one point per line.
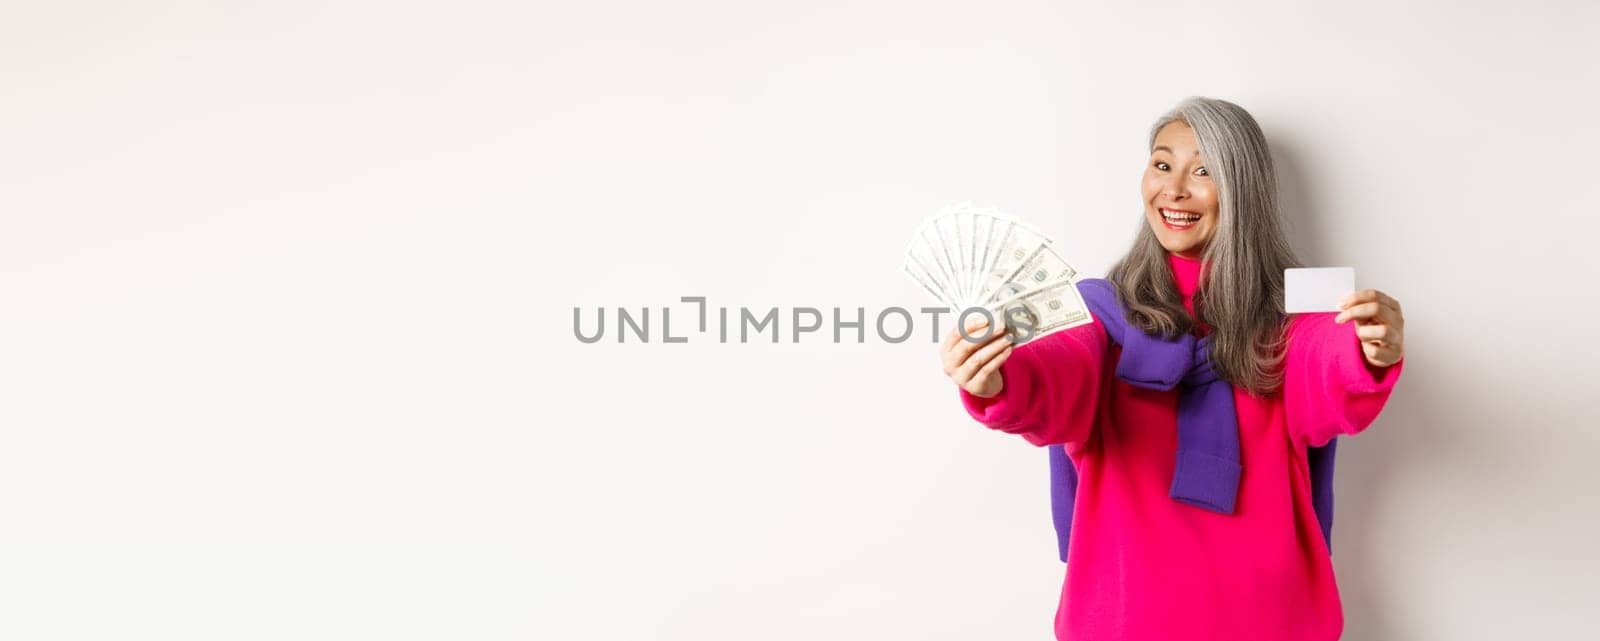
x: 1161, y: 165
x: 1202, y: 171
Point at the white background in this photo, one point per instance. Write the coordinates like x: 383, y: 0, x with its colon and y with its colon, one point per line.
x: 287, y: 343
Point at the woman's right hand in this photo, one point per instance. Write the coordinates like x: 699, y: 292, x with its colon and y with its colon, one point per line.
x: 975, y: 367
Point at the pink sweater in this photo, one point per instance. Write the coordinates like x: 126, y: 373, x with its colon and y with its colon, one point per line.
x: 1142, y: 566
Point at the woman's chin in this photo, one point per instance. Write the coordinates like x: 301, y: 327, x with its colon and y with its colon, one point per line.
x: 1178, y: 242
x: 1183, y: 249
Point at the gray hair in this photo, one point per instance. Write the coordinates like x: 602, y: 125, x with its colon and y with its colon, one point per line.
x: 1241, y: 287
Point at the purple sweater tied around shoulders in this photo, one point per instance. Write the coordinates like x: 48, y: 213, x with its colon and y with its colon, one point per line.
x: 1207, y: 471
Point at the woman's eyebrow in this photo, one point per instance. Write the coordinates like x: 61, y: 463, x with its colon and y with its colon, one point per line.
x: 1168, y: 150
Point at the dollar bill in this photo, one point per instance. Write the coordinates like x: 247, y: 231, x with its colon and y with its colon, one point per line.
x: 1043, y: 268
x: 967, y: 256
x: 1037, y: 313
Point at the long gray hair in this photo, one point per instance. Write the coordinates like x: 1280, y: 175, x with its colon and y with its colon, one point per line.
x: 1241, y: 289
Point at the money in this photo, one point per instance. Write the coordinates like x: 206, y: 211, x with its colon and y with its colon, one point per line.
x: 1041, y: 312
x: 969, y: 257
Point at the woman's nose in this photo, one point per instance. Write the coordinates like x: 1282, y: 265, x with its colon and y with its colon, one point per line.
x: 1174, y: 186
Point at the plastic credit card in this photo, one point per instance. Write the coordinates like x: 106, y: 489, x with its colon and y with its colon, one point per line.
x: 1316, y: 289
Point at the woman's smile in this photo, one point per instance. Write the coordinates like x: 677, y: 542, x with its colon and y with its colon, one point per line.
x: 1178, y: 219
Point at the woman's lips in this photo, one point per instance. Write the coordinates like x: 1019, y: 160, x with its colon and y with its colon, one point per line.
x: 1176, y: 226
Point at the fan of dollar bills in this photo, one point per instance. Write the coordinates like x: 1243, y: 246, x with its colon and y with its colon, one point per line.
x: 978, y: 257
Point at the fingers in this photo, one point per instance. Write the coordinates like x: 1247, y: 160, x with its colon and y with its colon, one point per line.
x: 955, y: 349
x: 1383, y: 335
x: 995, y: 363
x: 1360, y: 311
x: 977, y: 323
x: 1369, y: 296
x: 1379, y: 300
x: 1359, y: 296
x: 1387, y: 300
x: 1380, y: 324
x: 1382, y: 356
x: 963, y: 350
x: 972, y: 365
x: 974, y: 329
x: 1371, y: 314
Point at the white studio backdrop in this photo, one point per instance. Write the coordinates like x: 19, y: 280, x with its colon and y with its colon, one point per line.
x: 287, y: 347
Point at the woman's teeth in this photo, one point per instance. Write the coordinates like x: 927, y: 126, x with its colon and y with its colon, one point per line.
x: 1179, y: 220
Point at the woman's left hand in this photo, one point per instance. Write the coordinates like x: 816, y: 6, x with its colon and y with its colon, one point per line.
x: 1379, y: 324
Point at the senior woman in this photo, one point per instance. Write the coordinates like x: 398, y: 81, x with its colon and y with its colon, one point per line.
x: 1173, y: 531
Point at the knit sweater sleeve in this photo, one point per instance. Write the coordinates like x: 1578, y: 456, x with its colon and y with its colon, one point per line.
x: 1329, y: 387
x: 1051, y: 389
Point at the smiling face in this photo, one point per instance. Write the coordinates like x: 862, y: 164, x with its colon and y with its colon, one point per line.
x: 1178, y: 188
